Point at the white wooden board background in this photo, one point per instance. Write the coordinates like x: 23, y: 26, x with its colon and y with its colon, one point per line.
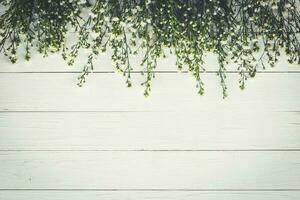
x: 105, y: 141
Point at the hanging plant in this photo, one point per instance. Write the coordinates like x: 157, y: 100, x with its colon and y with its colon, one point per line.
x: 250, y: 33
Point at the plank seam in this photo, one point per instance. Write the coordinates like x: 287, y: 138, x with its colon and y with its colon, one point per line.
x: 138, y: 72
x: 155, y: 190
x: 149, y: 150
x: 77, y: 111
x: 106, y: 111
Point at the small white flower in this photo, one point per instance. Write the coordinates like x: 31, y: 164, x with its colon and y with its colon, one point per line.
x: 115, y: 19
x: 106, y: 19
x: 191, y: 56
x: 102, y: 10
x: 274, y: 7
x: 288, y: 5
x: 223, y: 42
x: 148, y: 2
x: 93, y: 15
x: 82, y: 2
x: 246, y: 47
x: 132, y: 30
x: 263, y: 3
x: 52, y: 48
x: 139, y: 8
x: 134, y: 11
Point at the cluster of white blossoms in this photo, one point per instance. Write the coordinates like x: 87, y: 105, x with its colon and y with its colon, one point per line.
x: 248, y: 33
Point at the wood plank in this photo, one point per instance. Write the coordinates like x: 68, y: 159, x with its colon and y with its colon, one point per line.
x: 170, y: 92
x: 79, y: 195
x: 55, y: 63
x: 150, y: 170
x: 244, y: 129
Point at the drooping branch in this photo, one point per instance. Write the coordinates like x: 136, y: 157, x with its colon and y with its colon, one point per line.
x: 250, y: 33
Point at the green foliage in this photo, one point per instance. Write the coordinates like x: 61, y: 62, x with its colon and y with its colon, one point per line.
x: 235, y: 30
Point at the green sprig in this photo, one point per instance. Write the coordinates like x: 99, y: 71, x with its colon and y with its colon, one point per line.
x: 249, y: 33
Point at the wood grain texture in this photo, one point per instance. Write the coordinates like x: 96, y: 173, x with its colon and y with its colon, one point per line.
x: 95, y: 195
x: 150, y: 170
x: 171, y: 92
x: 243, y: 129
x: 105, y: 141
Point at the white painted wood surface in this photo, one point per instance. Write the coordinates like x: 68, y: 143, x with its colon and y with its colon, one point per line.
x: 150, y: 170
x: 137, y: 195
x: 204, y: 130
x: 106, y: 141
x: 171, y: 92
